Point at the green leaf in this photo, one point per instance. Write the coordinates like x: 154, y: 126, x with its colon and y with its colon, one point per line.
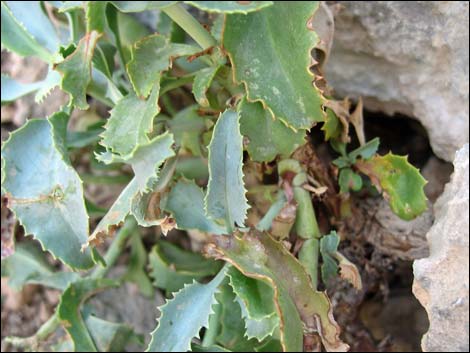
x: 267, y: 137
x: 348, y: 180
x: 15, y: 36
x: 44, y: 191
x: 186, y: 204
x: 258, y: 256
x: 28, y: 265
x: 130, y: 123
x: 270, y: 53
x: 328, y: 247
x: 367, y: 151
x: 225, y: 198
x: 150, y: 57
x: 96, y: 16
x: 232, y: 330
x: 256, y: 300
x: 12, y: 90
x: 198, y: 348
x: 202, y: 82
x: 401, y: 181
x: 242, y: 7
x: 145, y: 163
x: 76, y: 70
x: 183, y: 316
x: 108, y: 336
x: 187, y: 127
x: 172, y: 267
x: 139, y: 6
x: 70, y: 314
x: 136, y: 271
x: 332, y: 125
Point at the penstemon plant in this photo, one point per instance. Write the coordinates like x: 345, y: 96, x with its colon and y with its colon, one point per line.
x: 207, y: 118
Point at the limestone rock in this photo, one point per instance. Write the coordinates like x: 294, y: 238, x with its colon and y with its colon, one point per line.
x: 407, y: 57
x: 441, y: 280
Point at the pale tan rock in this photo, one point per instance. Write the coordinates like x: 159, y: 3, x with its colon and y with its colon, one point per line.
x: 442, y: 280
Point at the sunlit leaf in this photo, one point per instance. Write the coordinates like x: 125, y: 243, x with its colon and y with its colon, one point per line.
x: 44, y: 190
x: 225, y: 198
x: 183, y: 316
x: 400, y: 181
x: 270, y: 51
x: 242, y: 7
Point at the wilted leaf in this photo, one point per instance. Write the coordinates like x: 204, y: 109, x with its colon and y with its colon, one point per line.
x: 225, y: 199
x: 150, y: 57
x: 242, y: 7
x: 258, y: 256
x: 256, y: 300
x: 145, y: 162
x: 400, y: 181
x: 348, y: 271
x: 44, y: 191
x: 270, y: 52
x: 76, y: 70
x: 186, y: 204
x: 69, y: 311
x: 183, y: 316
x: 172, y: 267
x: 267, y: 137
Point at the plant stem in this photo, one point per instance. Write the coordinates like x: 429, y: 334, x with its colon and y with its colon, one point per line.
x: 308, y: 255
x: 190, y: 25
x: 213, y: 327
x: 116, y: 247
x: 47, y: 329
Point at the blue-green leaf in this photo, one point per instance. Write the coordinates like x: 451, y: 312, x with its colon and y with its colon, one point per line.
x: 44, y: 190
x: 225, y: 199
x: 183, y: 316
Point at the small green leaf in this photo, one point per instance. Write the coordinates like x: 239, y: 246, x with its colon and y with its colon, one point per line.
x: 145, y: 162
x: 232, y: 332
x: 401, y: 181
x: 259, y: 256
x: 28, y: 265
x: 172, y: 267
x: 15, y: 36
x: 139, y: 6
x: 332, y: 125
x: 328, y: 247
x: 225, y: 198
x: 202, y: 82
x: 44, y: 191
x: 270, y: 51
x: 241, y: 7
x: 108, y: 336
x: 183, y: 316
x: 186, y: 204
x: 187, y: 126
x: 256, y: 300
x: 348, y: 180
x: 367, y: 151
x: 267, y: 137
x: 70, y: 312
x: 150, y: 57
x: 76, y: 70
x: 130, y: 123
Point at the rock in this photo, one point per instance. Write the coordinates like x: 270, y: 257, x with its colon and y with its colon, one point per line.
x: 437, y: 173
x: 407, y: 57
x: 441, y: 281
x: 374, y: 221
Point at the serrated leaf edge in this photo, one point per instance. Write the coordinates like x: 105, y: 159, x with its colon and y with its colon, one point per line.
x: 212, y: 10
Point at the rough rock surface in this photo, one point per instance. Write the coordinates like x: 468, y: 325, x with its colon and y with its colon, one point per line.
x: 441, y: 280
x: 407, y: 57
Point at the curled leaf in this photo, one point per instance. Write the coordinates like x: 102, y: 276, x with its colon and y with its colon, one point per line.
x: 348, y: 271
